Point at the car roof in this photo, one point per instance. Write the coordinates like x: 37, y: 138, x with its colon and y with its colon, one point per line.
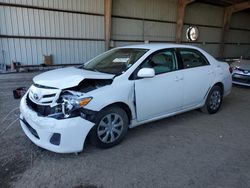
x: 158, y: 46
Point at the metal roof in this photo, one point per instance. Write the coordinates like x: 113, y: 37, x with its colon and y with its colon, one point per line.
x: 223, y: 3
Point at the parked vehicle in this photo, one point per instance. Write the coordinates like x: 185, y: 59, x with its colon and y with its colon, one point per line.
x: 241, y: 72
x: 120, y: 89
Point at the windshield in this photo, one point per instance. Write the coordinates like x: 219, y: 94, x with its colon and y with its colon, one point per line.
x: 115, y: 61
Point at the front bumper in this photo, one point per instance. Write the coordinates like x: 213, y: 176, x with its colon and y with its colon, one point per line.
x: 241, y: 79
x: 40, y: 130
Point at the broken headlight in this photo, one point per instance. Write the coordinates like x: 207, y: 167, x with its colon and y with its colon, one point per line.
x: 72, y: 102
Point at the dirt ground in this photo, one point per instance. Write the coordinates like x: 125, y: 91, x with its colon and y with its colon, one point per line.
x: 189, y: 150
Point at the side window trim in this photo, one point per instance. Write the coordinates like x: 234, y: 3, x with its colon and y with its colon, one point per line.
x: 133, y: 76
x: 179, y: 60
x: 194, y: 51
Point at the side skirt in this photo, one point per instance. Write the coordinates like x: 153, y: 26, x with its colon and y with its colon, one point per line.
x: 135, y: 123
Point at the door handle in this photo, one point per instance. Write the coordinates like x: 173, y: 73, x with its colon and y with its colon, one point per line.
x: 178, y: 78
x: 210, y: 72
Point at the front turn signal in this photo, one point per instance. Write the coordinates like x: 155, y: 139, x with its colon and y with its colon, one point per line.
x: 85, y: 101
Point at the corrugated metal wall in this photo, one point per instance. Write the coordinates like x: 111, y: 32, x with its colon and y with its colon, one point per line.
x: 142, y: 20
x: 72, y: 31
x: 209, y: 19
x: 93, y: 6
x: 238, y: 40
x: 155, y: 21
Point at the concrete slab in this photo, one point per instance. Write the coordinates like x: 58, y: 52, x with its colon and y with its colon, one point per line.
x: 189, y: 150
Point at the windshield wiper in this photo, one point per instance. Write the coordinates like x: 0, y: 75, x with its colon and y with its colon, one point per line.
x: 95, y: 70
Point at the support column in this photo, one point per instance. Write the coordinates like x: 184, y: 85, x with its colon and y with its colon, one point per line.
x: 180, y: 17
x: 226, y: 22
x: 107, y: 22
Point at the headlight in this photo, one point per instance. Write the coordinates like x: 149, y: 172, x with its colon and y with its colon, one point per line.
x: 71, y: 104
x: 236, y: 67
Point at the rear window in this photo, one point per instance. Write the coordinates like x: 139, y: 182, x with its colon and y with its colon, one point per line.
x: 192, y: 58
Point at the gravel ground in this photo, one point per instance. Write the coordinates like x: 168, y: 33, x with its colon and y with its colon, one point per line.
x: 189, y: 150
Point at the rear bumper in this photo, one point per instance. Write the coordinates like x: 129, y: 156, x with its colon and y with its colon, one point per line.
x: 68, y: 134
x: 227, y: 83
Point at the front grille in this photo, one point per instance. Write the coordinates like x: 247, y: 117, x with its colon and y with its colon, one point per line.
x: 32, y: 131
x: 241, y: 78
x: 45, y: 99
x: 42, y: 95
x: 42, y: 110
x: 243, y: 70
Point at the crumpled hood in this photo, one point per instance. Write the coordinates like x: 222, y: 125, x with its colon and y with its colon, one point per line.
x: 242, y: 64
x: 68, y: 77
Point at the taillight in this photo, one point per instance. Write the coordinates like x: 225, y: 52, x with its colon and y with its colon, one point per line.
x: 231, y: 69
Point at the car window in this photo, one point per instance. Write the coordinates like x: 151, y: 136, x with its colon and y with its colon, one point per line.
x: 192, y: 58
x: 115, y: 61
x: 161, y: 62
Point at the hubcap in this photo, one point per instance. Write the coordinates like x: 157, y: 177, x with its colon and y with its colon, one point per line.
x: 215, y: 100
x: 110, y: 128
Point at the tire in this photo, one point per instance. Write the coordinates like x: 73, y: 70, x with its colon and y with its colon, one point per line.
x: 111, y: 126
x: 213, y: 101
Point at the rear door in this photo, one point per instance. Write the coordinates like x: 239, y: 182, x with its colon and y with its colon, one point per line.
x: 197, y: 76
x: 161, y: 94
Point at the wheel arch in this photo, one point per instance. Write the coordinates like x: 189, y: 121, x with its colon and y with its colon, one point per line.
x: 123, y: 106
x: 220, y: 84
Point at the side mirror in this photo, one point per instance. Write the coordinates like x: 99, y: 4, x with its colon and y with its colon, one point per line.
x: 146, y: 73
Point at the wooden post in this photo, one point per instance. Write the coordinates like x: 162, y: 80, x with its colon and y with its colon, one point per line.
x: 180, y: 18
x: 107, y: 22
x: 226, y: 22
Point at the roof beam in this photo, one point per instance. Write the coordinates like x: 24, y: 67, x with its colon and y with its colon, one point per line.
x: 180, y: 17
x: 239, y: 6
x: 227, y: 20
x: 107, y: 22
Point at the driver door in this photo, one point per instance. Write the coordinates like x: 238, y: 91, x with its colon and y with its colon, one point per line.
x: 163, y: 93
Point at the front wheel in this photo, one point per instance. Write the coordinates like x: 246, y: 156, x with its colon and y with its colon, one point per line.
x: 111, y: 127
x: 213, y: 101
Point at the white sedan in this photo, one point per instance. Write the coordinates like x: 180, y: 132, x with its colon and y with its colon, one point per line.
x: 120, y: 89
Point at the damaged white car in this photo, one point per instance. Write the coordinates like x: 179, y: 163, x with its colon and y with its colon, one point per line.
x: 120, y: 89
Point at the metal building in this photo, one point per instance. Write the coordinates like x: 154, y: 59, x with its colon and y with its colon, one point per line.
x: 73, y: 31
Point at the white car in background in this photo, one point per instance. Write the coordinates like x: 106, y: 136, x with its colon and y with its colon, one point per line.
x: 120, y: 89
x: 241, y: 72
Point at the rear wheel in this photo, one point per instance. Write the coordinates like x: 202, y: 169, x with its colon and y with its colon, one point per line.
x: 111, y: 127
x: 213, y: 101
